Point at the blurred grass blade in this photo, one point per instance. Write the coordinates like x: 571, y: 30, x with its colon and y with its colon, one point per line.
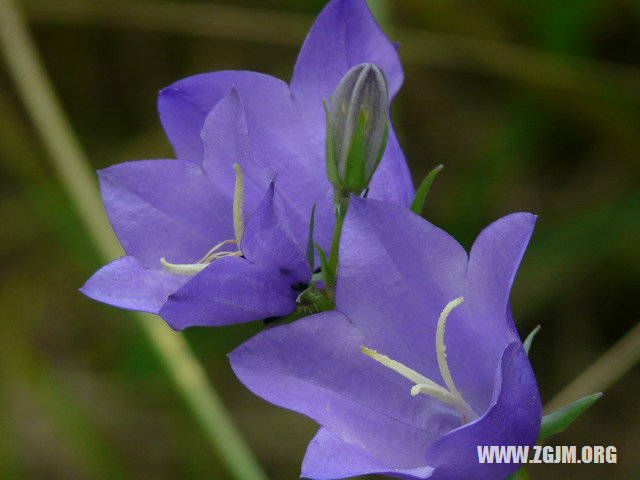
x: 520, y: 64
x: 605, y: 371
x: 75, y: 172
x: 559, y: 420
x: 421, y: 194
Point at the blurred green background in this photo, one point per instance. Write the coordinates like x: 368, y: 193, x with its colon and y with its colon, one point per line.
x: 531, y: 106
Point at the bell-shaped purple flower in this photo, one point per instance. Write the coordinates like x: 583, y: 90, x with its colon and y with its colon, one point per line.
x: 406, y: 378
x: 207, y: 244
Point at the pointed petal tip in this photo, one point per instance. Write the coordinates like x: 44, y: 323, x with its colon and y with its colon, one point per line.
x: 125, y: 283
x: 167, y: 314
x: 167, y: 91
x: 523, y: 218
x: 518, y: 227
x: 360, y: 206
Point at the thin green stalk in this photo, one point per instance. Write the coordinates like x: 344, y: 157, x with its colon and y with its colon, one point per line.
x: 24, y: 371
x: 35, y: 90
x: 341, y: 206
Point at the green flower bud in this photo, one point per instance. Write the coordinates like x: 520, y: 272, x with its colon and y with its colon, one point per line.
x: 357, y: 128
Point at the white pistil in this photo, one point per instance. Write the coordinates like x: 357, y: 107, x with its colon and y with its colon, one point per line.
x: 449, y: 395
x: 441, y: 349
x: 238, y: 203
x: 214, y: 254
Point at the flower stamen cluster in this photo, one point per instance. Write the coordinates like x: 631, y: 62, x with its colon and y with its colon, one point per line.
x: 450, y: 395
x: 214, y: 254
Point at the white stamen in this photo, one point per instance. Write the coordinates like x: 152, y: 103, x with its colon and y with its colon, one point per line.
x: 403, y: 370
x: 183, y: 268
x: 446, y: 397
x: 437, y: 393
x: 214, y: 254
x: 195, y: 268
x: 210, y: 253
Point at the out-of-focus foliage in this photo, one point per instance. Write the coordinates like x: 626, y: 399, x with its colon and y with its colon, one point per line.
x: 531, y: 106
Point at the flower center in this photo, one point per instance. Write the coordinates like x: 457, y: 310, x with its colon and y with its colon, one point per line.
x: 215, y: 252
x: 450, y: 395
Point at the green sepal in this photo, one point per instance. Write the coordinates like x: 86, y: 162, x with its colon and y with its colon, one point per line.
x: 328, y: 275
x: 559, y: 420
x: 354, y: 173
x: 315, y: 299
x: 383, y: 146
x: 341, y: 211
x: 520, y: 474
x: 423, y: 190
x: 529, y: 340
x: 309, y: 302
x: 332, y: 164
x: 310, y: 255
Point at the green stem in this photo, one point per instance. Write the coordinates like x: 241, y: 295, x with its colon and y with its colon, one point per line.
x: 341, y: 206
x: 78, y: 178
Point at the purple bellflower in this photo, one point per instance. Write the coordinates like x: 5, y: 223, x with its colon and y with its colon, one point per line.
x: 419, y: 364
x: 251, y: 147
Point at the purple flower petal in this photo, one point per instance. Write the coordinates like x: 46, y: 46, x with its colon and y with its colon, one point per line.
x: 404, y: 302
x: 268, y: 145
x: 275, y: 132
x: 259, y: 125
x: 493, y: 262
x: 343, y: 35
x: 164, y: 208
x: 314, y: 366
x: 125, y: 283
x: 392, y: 180
x: 396, y: 274
x: 280, y: 133
x: 234, y: 290
x: 329, y: 457
x: 184, y: 105
x: 268, y: 241
x: 230, y: 290
x: 225, y: 141
x: 513, y: 419
x: 180, y: 209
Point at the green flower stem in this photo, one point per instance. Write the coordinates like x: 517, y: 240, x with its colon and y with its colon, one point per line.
x: 78, y: 178
x: 341, y: 204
